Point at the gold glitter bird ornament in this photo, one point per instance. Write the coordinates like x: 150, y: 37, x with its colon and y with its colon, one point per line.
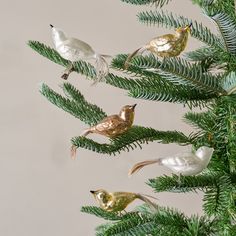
x: 168, y: 45
x: 114, y: 125
x: 118, y: 201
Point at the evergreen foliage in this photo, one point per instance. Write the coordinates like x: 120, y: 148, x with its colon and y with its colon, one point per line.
x: 157, y: 3
x: 205, y: 77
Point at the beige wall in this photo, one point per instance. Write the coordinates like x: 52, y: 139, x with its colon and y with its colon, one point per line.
x: 42, y: 189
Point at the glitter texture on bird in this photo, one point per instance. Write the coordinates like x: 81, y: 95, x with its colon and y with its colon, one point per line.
x: 111, y: 126
x: 114, y: 125
x: 73, y: 49
x: 118, y: 201
x: 188, y: 163
x: 168, y: 45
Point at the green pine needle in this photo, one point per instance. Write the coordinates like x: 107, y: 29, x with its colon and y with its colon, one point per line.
x: 217, y: 200
x: 209, y: 58
x: 176, y: 95
x: 229, y: 83
x: 137, y: 227
x: 165, y: 222
x: 132, y: 139
x: 157, y: 3
x: 176, y: 71
x: 99, y: 212
x: 181, y: 183
x: 226, y: 6
x: 227, y: 29
x: 76, y: 105
x: 202, y: 121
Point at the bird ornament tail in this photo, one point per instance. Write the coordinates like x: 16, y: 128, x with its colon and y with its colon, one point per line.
x: 86, y: 132
x: 142, y: 164
x: 145, y: 198
x: 102, y: 67
x: 139, y: 51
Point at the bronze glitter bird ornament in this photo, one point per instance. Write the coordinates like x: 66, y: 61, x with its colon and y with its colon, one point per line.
x: 168, y: 45
x: 114, y: 125
x: 117, y: 201
x: 111, y: 126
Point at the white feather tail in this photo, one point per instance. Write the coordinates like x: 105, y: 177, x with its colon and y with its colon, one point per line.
x: 102, y: 68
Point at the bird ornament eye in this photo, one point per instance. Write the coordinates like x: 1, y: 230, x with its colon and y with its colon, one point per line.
x: 101, y: 195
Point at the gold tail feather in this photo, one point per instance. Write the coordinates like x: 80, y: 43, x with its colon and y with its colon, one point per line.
x: 86, y: 132
x: 73, y: 152
x: 137, y: 167
x: 129, y: 58
x: 151, y: 204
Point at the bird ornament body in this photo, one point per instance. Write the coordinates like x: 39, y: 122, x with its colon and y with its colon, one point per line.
x: 114, y: 125
x: 187, y: 164
x: 169, y: 45
x: 111, y: 126
x: 118, y: 201
x: 73, y: 49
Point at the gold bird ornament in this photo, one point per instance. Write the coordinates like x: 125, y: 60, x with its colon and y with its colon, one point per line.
x: 168, y: 45
x: 114, y: 125
x: 111, y: 126
x: 117, y: 201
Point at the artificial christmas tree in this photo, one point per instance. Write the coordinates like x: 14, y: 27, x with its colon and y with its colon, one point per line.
x: 201, y: 78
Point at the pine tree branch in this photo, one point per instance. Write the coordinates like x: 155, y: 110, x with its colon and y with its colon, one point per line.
x: 132, y: 139
x: 178, y: 94
x: 217, y: 199
x: 203, y: 3
x: 179, y: 184
x: 99, y: 212
x: 76, y: 105
x: 201, y: 226
x: 164, y: 222
x: 163, y: 18
x: 177, y: 71
x: 203, y: 121
x: 139, y: 227
x: 202, y: 54
x: 154, y: 87
x: 81, y: 67
x: 101, y: 229
x: 224, y: 137
x: 227, y: 29
x: 149, y: 79
x: 157, y: 3
x: 226, y: 6
x: 208, y: 57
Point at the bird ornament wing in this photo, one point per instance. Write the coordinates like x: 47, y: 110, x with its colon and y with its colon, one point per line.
x: 109, y: 123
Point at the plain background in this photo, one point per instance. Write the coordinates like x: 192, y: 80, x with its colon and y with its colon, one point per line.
x: 42, y: 189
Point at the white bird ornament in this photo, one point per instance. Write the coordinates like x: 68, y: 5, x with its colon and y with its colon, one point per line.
x: 187, y: 164
x: 73, y: 49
